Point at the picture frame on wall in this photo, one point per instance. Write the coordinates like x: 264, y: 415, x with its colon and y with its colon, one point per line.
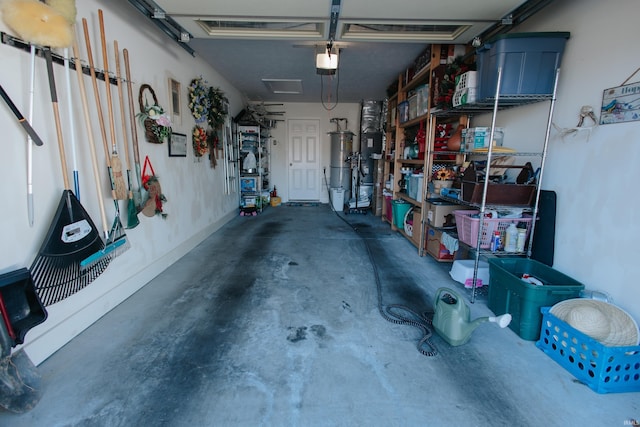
x: 178, y: 145
x: 620, y: 104
x: 175, y: 91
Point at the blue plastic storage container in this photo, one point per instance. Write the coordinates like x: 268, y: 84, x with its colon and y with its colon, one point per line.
x: 529, y: 63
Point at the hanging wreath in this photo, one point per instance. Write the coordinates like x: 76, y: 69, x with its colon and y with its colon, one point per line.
x: 199, y: 101
x: 156, y: 122
x: 217, y: 108
x: 199, y: 139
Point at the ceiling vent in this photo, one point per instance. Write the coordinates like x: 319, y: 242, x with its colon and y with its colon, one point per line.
x: 268, y: 28
x: 403, y: 32
x: 284, y: 86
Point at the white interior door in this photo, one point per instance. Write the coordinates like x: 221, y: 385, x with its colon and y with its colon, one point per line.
x: 304, y: 159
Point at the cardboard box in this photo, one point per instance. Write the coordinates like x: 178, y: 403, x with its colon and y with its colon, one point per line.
x: 417, y: 226
x: 437, y: 211
x: 435, y: 248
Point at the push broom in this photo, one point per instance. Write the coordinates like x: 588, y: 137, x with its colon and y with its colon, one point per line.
x: 117, y: 242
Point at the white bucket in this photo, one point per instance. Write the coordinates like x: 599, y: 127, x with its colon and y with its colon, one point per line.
x: 337, y: 198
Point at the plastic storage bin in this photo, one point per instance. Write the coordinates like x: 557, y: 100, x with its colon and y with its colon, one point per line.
x: 414, y: 189
x: 403, y: 111
x: 468, y: 80
x: 604, y: 369
x: 529, y: 63
x: 479, y: 137
x: 465, y: 96
x: 508, y: 293
x: 248, y: 184
x: 467, y: 227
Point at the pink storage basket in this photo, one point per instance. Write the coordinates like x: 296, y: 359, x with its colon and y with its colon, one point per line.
x: 468, y: 227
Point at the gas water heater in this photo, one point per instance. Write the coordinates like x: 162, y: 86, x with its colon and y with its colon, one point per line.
x: 340, y: 167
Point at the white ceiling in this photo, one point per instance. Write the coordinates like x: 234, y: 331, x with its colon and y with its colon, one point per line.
x: 366, y: 67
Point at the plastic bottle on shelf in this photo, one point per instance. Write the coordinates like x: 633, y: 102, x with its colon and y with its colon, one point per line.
x: 495, y: 241
x: 511, y: 238
x: 522, y: 237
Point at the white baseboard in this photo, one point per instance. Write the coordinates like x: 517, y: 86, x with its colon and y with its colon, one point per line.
x: 70, y: 317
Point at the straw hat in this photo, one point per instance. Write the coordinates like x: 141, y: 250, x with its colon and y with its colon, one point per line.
x: 600, y: 320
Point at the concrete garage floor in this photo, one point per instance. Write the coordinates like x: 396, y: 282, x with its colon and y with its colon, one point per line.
x: 273, y: 321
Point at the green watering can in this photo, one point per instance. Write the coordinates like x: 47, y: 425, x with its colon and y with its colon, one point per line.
x: 451, y: 319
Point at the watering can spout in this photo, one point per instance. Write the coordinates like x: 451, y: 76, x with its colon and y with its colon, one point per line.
x: 502, y: 321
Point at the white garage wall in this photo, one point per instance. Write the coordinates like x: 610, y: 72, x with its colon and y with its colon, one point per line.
x: 196, y: 203
x: 597, y: 223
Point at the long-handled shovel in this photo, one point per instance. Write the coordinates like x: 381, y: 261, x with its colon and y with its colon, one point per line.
x: 72, y: 235
x: 132, y: 212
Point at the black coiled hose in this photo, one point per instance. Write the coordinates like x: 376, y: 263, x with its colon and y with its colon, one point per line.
x: 419, y: 321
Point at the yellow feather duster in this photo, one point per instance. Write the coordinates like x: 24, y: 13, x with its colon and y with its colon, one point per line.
x: 37, y: 23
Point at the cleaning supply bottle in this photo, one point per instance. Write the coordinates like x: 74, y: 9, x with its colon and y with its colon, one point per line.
x: 532, y: 280
x: 522, y: 237
x: 495, y: 241
x: 511, y: 238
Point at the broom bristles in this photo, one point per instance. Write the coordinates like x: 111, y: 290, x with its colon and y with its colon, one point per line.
x: 109, y: 252
x: 117, y: 244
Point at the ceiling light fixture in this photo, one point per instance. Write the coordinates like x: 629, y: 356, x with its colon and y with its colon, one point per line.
x: 327, y: 61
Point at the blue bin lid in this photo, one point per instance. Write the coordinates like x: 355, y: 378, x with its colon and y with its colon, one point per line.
x: 543, y: 34
x: 540, y: 35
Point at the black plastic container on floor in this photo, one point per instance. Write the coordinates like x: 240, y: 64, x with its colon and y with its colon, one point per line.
x: 508, y: 293
x: 24, y: 309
